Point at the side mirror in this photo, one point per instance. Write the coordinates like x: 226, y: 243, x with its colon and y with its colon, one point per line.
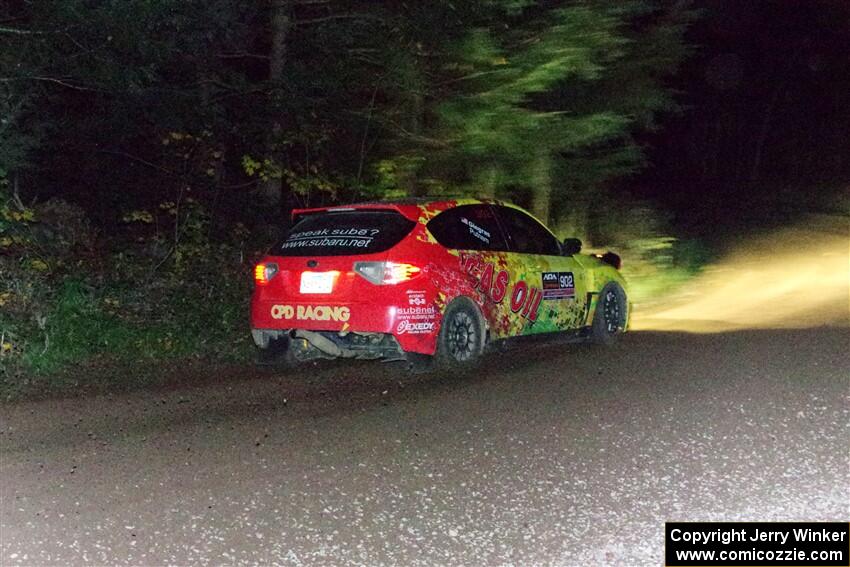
x: 571, y: 246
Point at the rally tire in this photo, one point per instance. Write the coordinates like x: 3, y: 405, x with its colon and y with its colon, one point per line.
x: 462, y: 336
x: 609, y: 320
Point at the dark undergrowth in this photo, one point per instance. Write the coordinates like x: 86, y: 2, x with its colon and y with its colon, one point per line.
x: 73, y: 310
x: 167, y: 292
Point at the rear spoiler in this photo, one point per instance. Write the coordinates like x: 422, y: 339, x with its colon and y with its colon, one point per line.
x: 410, y: 212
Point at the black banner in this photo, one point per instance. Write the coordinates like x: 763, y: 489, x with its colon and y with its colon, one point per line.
x: 762, y: 544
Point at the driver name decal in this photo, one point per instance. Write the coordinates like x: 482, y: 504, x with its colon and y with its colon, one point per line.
x: 477, y: 231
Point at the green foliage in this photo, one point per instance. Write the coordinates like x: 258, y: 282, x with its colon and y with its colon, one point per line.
x: 78, y: 323
x: 655, y: 263
x: 390, y: 176
x: 506, y: 97
x: 160, y: 124
x: 455, y: 94
x: 147, y: 298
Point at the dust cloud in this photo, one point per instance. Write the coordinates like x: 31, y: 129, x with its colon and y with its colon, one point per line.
x: 797, y: 277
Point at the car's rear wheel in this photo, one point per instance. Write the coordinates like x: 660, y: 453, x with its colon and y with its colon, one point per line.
x: 462, y: 335
x: 610, y: 317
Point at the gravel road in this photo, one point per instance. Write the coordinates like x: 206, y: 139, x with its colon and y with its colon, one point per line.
x: 559, y: 454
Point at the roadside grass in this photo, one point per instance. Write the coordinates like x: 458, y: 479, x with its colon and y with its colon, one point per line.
x: 651, y: 287
x: 86, y: 335
x: 117, y: 335
x: 77, y: 309
x: 656, y: 273
x: 123, y: 337
x: 84, y: 324
x: 76, y: 314
x: 81, y: 333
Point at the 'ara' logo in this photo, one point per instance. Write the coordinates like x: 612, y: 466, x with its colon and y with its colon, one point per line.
x: 311, y: 312
x: 558, y: 285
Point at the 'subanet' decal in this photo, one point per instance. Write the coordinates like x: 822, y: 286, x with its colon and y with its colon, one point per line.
x: 311, y: 312
x: 494, y: 284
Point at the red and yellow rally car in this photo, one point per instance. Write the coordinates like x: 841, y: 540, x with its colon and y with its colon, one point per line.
x: 410, y: 280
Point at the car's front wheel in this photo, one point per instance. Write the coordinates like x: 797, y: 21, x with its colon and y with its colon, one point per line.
x: 462, y: 335
x: 609, y: 320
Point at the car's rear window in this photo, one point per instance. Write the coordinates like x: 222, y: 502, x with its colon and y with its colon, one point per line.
x: 344, y: 233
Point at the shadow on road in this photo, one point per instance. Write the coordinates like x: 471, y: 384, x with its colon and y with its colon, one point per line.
x: 641, y: 365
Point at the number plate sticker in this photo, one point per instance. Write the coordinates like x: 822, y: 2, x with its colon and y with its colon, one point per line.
x: 558, y: 285
x: 318, y: 282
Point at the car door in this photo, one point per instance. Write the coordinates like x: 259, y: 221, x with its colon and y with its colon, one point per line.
x: 549, y: 290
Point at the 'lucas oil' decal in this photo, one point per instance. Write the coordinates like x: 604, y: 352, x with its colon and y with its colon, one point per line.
x: 558, y: 285
x: 493, y: 284
x: 525, y: 300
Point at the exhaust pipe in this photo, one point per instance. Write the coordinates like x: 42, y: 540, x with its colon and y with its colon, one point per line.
x: 324, y: 344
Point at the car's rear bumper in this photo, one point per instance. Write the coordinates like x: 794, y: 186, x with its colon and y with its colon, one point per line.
x: 318, y: 344
x: 414, y: 328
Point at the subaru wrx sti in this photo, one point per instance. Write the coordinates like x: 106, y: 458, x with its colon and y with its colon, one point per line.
x: 428, y: 280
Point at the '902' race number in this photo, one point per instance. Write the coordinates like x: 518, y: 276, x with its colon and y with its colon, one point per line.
x: 558, y: 285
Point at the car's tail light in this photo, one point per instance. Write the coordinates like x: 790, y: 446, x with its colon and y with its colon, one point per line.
x: 372, y: 271
x: 396, y: 273
x: 387, y: 273
x: 263, y: 273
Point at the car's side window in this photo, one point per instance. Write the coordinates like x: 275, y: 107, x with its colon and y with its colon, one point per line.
x: 526, y: 235
x: 468, y: 227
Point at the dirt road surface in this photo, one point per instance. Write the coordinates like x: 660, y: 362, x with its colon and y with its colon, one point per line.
x: 552, y: 455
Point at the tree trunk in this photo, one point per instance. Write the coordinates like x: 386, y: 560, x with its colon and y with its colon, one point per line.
x: 487, y: 180
x: 417, y: 118
x: 763, y: 132
x: 541, y: 180
x: 271, y: 189
x: 767, y: 117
